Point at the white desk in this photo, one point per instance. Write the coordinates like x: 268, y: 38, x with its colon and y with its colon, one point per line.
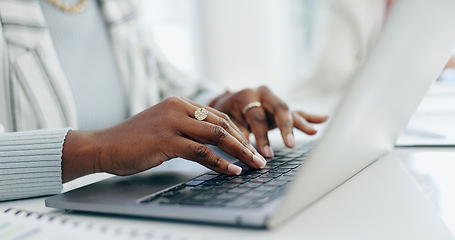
x: 381, y: 202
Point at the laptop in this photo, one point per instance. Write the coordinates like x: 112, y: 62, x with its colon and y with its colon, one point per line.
x: 415, y: 44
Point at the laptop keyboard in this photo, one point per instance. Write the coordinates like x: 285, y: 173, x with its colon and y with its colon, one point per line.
x: 253, y: 188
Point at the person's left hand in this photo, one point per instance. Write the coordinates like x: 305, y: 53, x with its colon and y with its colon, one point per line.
x: 259, y: 110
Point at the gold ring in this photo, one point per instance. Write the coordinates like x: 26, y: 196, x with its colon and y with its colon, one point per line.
x: 250, y: 106
x: 201, y: 113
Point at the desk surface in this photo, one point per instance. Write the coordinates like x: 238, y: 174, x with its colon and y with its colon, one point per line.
x: 433, y: 170
x: 381, y: 202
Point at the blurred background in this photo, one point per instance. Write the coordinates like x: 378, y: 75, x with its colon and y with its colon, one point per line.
x: 305, y: 50
x: 288, y: 45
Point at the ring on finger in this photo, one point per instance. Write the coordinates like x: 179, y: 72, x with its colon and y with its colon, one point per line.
x: 250, y: 106
x: 201, y: 113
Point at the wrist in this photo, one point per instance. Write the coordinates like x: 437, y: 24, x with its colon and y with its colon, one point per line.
x: 81, y: 155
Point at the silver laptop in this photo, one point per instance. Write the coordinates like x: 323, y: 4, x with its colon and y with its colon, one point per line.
x: 416, y: 42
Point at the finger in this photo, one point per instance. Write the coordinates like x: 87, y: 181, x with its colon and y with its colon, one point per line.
x: 254, y: 117
x: 214, y: 130
x: 203, y: 155
x: 302, y: 124
x: 206, y: 132
x: 313, y: 118
x: 246, y: 133
x: 257, y: 120
x: 224, y: 121
x: 282, y: 115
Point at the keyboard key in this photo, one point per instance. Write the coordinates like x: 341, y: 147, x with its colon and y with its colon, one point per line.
x: 287, y: 178
x: 263, y: 170
x: 291, y: 172
x: 276, y: 182
x: 291, y: 166
x: 239, y: 202
x: 298, y: 162
x: 204, y: 196
x: 202, y: 187
x: 271, y: 175
x: 280, y: 170
x: 227, y: 196
x: 274, y: 163
x: 251, y: 175
x: 196, y: 202
x: 252, y: 194
x: 180, y: 195
x: 205, y: 177
x: 265, y: 188
x: 250, y: 185
x: 215, y: 191
x: 215, y: 202
x: 238, y: 190
x: 239, y: 180
x: 194, y: 182
x: 261, y: 179
x: 216, y: 181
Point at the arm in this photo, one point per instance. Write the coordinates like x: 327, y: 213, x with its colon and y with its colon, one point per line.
x: 160, y: 133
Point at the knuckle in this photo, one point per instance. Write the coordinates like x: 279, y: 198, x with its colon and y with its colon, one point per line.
x: 246, y: 92
x: 245, y: 151
x: 288, y: 125
x: 172, y: 101
x: 225, y: 117
x: 224, y: 124
x: 262, y: 138
x: 219, y: 132
x: 202, y: 152
x: 263, y: 87
x: 217, y: 162
x: 281, y: 106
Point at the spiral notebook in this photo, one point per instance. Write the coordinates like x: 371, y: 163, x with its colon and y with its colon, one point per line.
x: 23, y: 225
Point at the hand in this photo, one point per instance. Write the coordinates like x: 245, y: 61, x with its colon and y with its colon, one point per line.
x: 272, y: 113
x: 162, y: 132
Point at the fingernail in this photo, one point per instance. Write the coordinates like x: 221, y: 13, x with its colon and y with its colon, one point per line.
x: 290, y: 139
x: 258, y: 161
x: 268, y: 151
x: 234, y: 169
x: 259, y: 155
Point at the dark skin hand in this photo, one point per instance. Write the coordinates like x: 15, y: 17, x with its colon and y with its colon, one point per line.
x: 259, y: 120
x: 169, y: 129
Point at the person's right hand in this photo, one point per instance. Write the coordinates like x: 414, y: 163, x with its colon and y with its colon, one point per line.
x: 162, y: 132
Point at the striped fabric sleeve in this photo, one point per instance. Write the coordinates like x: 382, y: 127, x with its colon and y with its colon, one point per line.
x: 30, y: 163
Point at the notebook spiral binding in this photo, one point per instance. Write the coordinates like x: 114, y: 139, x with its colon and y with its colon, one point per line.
x: 91, y: 229
x: 43, y: 217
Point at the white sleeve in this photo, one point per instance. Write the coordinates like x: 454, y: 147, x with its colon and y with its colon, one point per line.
x: 30, y: 163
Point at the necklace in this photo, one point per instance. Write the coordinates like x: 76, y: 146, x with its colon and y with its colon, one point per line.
x: 70, y: 9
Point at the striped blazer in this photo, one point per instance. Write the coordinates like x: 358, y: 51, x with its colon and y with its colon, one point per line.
x: 34, y: 92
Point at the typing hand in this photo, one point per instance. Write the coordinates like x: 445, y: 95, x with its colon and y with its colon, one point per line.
x: 165, y: 131
x: 259, y: 110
